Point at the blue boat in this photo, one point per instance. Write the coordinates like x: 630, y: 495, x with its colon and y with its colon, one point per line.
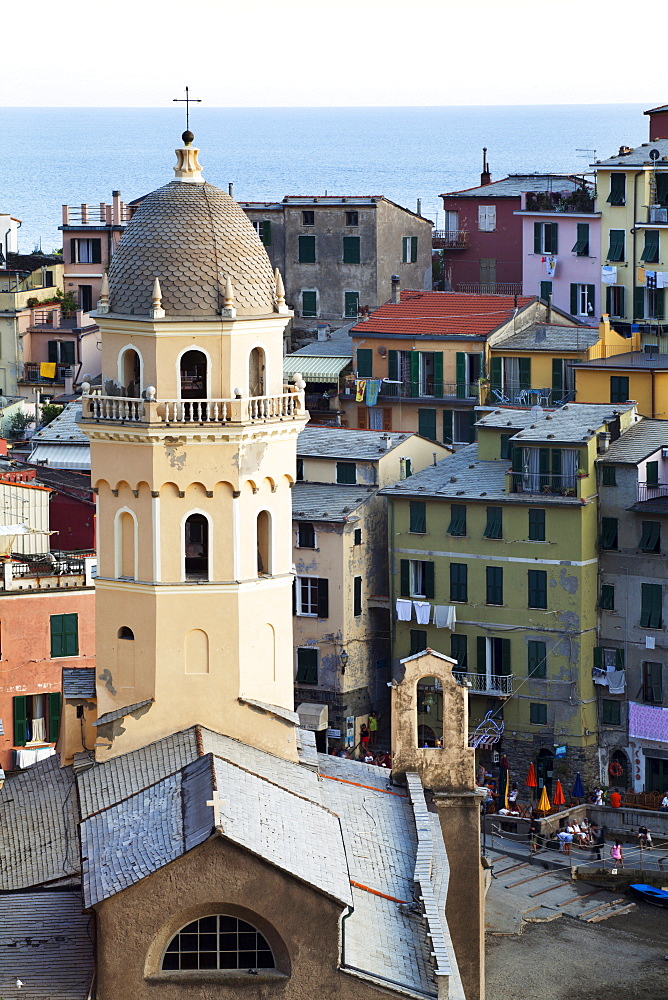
x: 657, y: 897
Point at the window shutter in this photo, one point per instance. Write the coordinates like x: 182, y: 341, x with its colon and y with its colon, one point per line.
x: 607, y: 597
x: 659, y: 298
x: 67, y: 352
x: 418, y: 516
x: 54, y: 716
x: 414, y: 242
x: 97, y: 251
x: 639, y: 303
x: 361, y: 418
x: 323, y: 599
x: 392, y: 366
x: 57, y: 636
x: 650, y: 253
x: 405, y: 578
x: 598, y: 657
x: 608, y: 299
x: 357, y: 596
x: 53, y: 350
x: 545, y: 290
x: 622, y: 301
x: 505, y: 657
x: 294, y: 597
x: 516, y: 457
x: 652, y: 473
x: 438, y: 373
x: 351, y: 249
x: 574, y: 300
x: 418, y: 640
x: 307, y: 666
x: 537, y: 241
x: 404, y: 250
x: 525, y: 373
x: 554, y: 229
x: 427, y: 424
x: 447, y: 426
x: 364, y: 362
x: 558, y: 374
x: 20, y: 719
x: 309, y: 304
x: 556, y: 462
x: 495, y: 373
x: 429, y: 579
x: 458, y: 650
x: 619, y: 659
x: 473, y: 430
x: 481, y: 649
x: 387, y: 418
x: 415, y: 372
x: 71, y: 635
x: 306, y: 249
x: 73, y: 260
x: 460, y: 374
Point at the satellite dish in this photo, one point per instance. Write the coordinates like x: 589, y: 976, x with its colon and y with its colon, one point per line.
x: 537, y: 411
x: 654, y: 154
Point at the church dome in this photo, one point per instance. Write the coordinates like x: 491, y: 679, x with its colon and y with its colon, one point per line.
x: 192, y: 237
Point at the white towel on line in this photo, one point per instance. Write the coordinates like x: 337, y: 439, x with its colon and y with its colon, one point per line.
x: 404, y: 609
x: 445, y: 616
x: 422, y: 612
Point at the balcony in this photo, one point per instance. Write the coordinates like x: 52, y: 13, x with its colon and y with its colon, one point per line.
x: 490, y: 287
x: 425, y: 389
x: 449, y: 239
x: 512, y: 395
x: 496, y: 685
x: 657, y: 214
x: 289, y: 405
x: 556, y: 201
x: 31, y: 374
x: 544, y: 484
x: 49, y: 571
x: 651, y: 491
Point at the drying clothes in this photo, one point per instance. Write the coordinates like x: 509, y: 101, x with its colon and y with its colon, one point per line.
x: 617, y: 681
x: 445, y: 616
x: 609, y: 274
x: 422, y: 612
x: 360, y: 389
x: 404, y: 610
x: 372, y: 389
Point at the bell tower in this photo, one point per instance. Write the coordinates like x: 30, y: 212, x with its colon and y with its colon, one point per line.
x: 193, y: 446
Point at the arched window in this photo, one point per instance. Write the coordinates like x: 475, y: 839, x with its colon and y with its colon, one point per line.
x: 264, y: 543
x: 622, y: 780
x: 130, y: 372
x: 193, y: 375
x: 196, y: 652
x: 430, y: 712
x: 125, y: 527
x: 125, y: 633
x: 218, y: 942
x: 196, y: 542
x: 256, y: 372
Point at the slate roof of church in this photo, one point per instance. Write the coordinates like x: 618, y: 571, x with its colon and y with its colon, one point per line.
x: 47, y: 943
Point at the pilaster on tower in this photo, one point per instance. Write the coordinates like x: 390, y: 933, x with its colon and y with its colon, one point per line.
x: 193, y: 447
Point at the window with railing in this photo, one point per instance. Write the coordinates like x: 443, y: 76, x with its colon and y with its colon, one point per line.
x: 547, y: 470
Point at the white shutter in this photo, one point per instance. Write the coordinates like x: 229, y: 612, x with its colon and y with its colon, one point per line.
x: 482, y: 218
x: 491, y: 218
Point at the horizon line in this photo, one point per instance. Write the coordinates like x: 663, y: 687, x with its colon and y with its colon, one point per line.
x: 316, y: 107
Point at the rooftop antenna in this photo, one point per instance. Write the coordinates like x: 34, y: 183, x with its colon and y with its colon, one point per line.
x: 187, y: 100
x: 590, y: 156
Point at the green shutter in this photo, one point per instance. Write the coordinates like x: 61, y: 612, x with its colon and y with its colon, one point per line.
x: 364, y: 362
x: 608, y: 533
x: 351, y: 249
x: 650, y: 540
x: 505, y: 657
x: 57, y: 636
x: 536, y: 663
x: 265, y: 232
x: 639, y: 303
x: 557, y: 375
x: 53, y: 350
x: 481, y: 650
x: 556, y: 463
x: 536, y: 524
x: 393, y: 366
x: 415, y: 372
x: 54, y: 716
x: 351, y: 304
x: 438, y: 373
x: 619, y: 659
x: 574, y: 300
x: 418, y: 517
x: 525, y: 373
x: 459, y: 582
x: 651, y: 599
x: 619, y: 388
x: 307, y: 666
x: 447, y: 426
x: 404, y: 250
x: 457, y: 524
x: 554, y: 248
x: 617, y: 194
x: 545, y: 290
x: 473, y: 430
x: 427, y: 424
x: 21, y: 716
x: 652, y: 473
x: 495, y: 367
x: 67, y: 352
x: 537, y: 588
x: 418, y: 641
x: 494, y: 526
x: 458, y: 651
x: 581, y: 247
x: 650, y: 253
x: 516, y: 457
x: 306, y: 249
x: 607, y: 601
x: 309, y: 303
x: 97, y: 251
x: 616, y: 249
x: 323, y: 599
x: 405, y: 578
x: 598, y: 657
x: 537, y: 241
x: 429, y: 579
x: 659, y: 298
x: 414, y: 249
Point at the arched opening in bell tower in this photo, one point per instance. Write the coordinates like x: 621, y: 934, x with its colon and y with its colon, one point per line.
x: 196, y: 547
x: 193, y: 375
x: 264, y: 567
x: 126, y: 545
x: 256, y: 365
x: 429, y: 712
x: 130, y: 372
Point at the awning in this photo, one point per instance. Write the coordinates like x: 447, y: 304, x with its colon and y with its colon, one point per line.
x: 313, y: 717
x: 62, y: 456
x: 315, y: 369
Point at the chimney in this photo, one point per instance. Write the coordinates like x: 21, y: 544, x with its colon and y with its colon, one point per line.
x: 116, y: 208
x: 658, y: 123
x: 419, y: 206
x: 396, y: 289
x: 387, y: 441
x: 230, y: 189
x: 485, y: 176
x: 69, y: 381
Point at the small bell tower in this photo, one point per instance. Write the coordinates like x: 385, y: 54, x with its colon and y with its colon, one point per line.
x: 193, y: 446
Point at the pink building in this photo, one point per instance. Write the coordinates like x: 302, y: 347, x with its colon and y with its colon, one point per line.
x: 482, y: 235
x: 561, y: 251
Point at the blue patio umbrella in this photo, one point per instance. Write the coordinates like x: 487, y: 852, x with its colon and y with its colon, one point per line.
x: 577, y: 792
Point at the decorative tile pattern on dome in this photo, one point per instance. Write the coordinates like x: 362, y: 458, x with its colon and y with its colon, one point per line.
x: 191, y: 237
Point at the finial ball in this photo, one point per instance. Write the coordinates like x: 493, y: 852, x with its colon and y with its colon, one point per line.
x: 188, y: 137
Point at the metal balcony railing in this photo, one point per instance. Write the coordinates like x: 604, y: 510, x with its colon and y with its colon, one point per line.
x: 490, y: 287
x: 513, y: 395
x: 544, y: 483
x: 500, y: 685
x: 651, y: 491
x: 449, y: 239
x: 406, y: 389
x: 32, y: 373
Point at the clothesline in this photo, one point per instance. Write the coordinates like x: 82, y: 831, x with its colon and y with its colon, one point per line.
x: 443, y: 616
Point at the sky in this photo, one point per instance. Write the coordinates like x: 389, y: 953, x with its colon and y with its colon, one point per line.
x: 309, y: 53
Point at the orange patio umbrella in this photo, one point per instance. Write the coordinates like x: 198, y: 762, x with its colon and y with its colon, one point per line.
x: 531, y: 777
x: 544, y: 802
x: 559, y: 797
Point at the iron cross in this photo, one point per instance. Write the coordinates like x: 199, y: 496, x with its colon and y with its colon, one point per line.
x: 187, y: 100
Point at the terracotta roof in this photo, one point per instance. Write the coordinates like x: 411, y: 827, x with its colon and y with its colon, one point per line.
x: 442, y: 314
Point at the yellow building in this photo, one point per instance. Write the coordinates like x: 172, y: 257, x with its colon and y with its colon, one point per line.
x: 195, y: 563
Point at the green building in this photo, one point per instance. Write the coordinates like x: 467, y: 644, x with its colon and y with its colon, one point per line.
x: 504, y: 536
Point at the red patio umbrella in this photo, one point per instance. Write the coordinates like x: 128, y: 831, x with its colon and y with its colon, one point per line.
x: 559, y: 797
x: 531, y: 777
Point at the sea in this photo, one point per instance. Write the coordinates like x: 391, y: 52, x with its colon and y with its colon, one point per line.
x: 55, y: 156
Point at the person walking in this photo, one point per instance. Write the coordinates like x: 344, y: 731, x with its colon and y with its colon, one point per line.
x: 617, y: 854
x: 596, y: 840
x: 534, y: 832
